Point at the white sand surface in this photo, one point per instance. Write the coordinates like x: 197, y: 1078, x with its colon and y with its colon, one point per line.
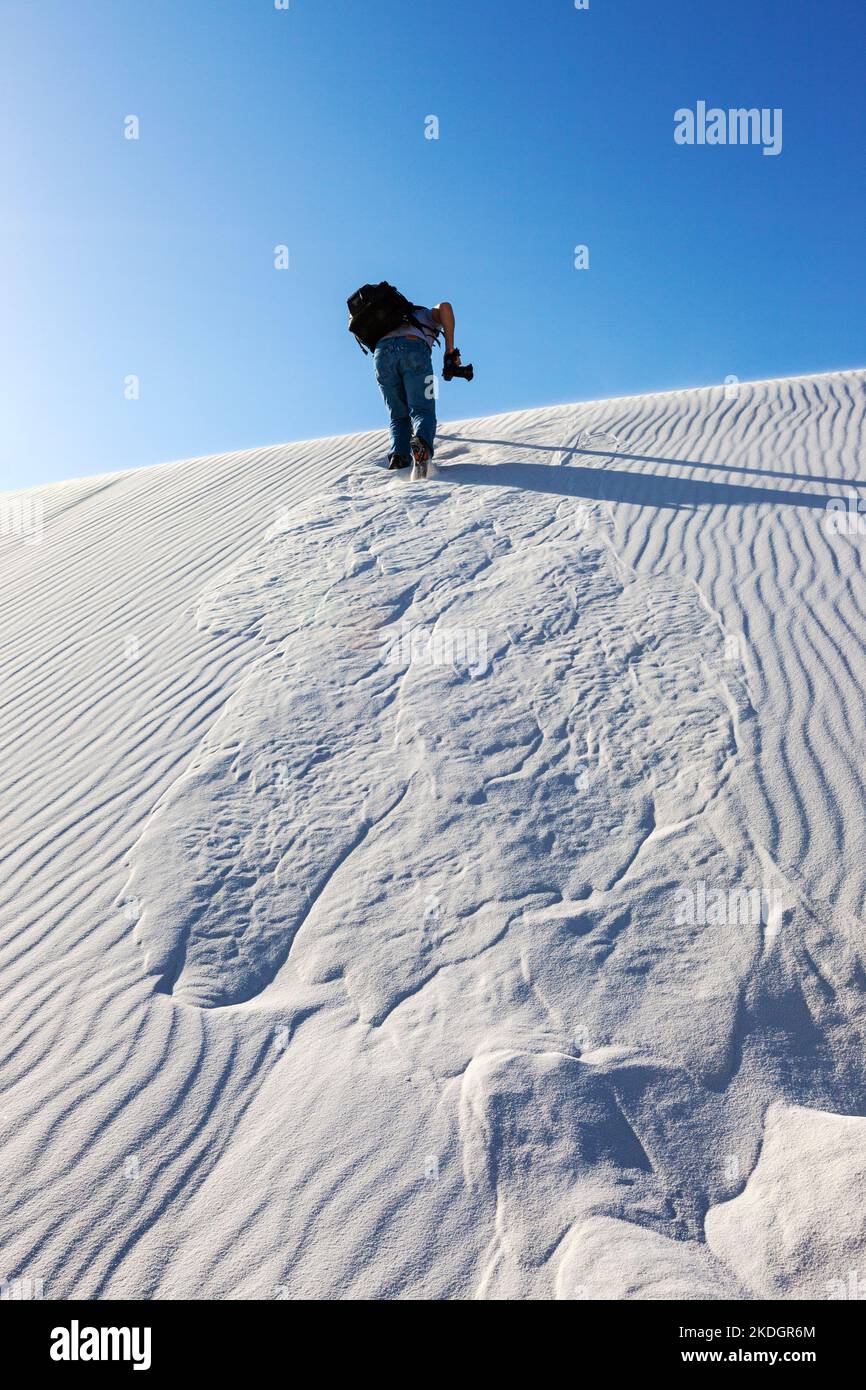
x: 447, y: 889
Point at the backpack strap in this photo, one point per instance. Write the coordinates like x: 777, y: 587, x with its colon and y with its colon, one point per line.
x: 410, y: 318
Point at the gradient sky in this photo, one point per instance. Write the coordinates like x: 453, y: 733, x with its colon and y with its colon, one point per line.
x: 306, y: 127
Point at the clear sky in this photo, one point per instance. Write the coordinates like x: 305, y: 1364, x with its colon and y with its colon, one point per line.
x: 259, y: 126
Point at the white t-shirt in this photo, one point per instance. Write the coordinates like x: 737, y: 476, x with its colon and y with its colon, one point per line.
x: 430, y: 327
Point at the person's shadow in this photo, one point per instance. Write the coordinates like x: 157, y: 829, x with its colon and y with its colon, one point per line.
x: 612, y: 484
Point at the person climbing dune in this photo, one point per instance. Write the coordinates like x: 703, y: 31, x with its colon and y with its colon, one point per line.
x: 401, y: 337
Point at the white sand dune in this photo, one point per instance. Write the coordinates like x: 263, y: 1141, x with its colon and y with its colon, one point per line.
x: 449, y: 889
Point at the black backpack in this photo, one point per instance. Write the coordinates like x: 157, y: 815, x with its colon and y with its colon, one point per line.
x: 375, y: 310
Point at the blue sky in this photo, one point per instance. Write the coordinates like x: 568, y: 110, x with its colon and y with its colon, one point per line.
x: 306, y: 127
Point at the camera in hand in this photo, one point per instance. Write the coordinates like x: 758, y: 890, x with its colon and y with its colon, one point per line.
x: 452, y: 367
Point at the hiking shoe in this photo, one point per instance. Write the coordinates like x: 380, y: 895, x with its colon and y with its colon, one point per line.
x: 397, y: 461
x: 421, y: 451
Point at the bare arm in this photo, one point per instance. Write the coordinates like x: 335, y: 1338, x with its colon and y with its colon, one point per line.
x: 443, y: 314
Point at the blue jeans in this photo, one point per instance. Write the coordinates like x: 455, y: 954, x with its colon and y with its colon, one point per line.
x: 404, y: 371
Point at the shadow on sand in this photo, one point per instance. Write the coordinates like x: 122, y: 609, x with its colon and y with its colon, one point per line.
x: 612, y: 484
